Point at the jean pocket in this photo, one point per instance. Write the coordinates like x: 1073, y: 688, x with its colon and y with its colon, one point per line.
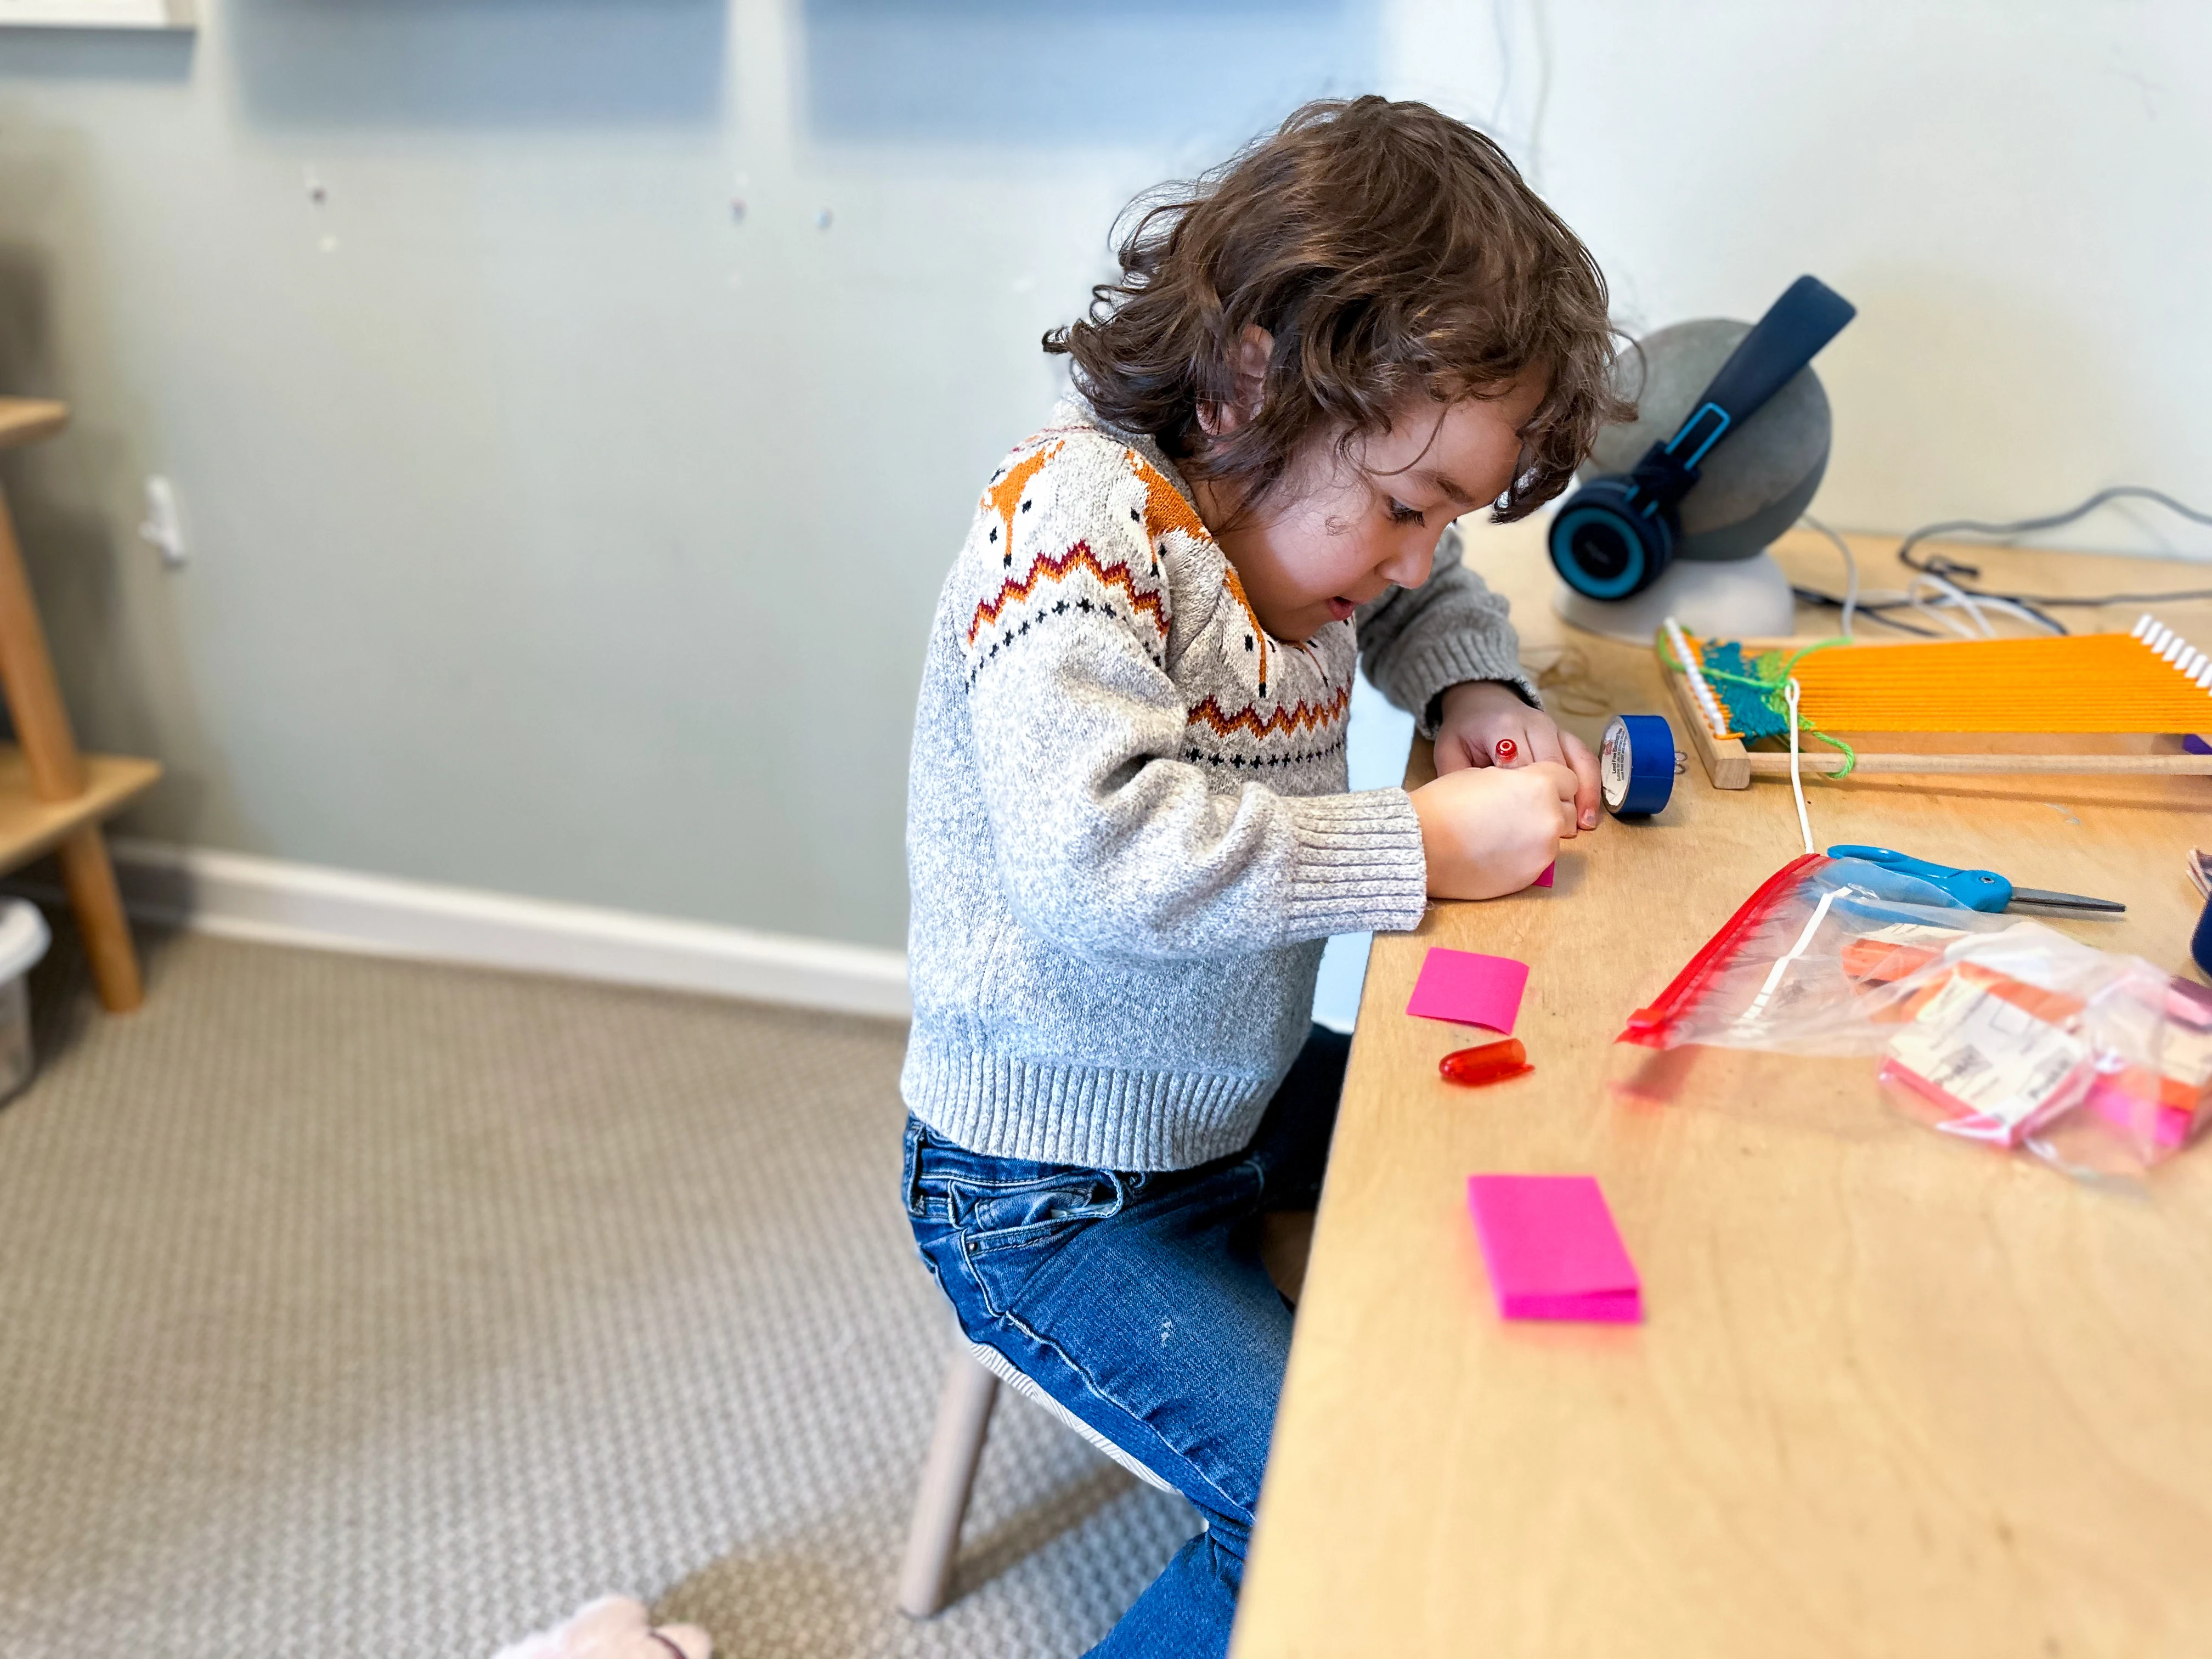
x: 1013, y: 1239
x: 996, y: 1216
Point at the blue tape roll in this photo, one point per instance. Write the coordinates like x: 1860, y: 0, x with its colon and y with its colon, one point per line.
x: 1636, y: 765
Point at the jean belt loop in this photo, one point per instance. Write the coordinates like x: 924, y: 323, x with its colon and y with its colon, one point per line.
x: 914, y: 1166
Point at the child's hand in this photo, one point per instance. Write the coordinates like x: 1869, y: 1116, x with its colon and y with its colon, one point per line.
x: 1491, y: 830
x: 1485, y: 724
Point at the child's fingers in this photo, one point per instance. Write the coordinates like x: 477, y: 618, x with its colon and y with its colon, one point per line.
x: 1543, y: 741
x: 1548, y: 743
x: 1455, y: 754
x: 1565, y: 785
x: 1584, y: 764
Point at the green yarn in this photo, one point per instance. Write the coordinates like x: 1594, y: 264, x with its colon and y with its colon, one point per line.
x: 1754, y: 691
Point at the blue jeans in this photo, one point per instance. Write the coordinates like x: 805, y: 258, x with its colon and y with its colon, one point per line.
x: 1138, y: 1302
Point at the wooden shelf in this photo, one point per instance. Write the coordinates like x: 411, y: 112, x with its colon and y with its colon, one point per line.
x: 26, y: 420
x: 53, y: 797
x: 29, y: 826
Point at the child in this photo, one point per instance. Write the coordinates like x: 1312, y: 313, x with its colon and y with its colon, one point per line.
x: 1128, y: 832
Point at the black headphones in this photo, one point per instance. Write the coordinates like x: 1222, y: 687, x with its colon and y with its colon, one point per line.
x: 1617, y: 533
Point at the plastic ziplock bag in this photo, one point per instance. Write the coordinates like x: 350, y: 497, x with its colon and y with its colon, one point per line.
x: 1995, y: 1028
x: 1813, y: 963
x: 2098, y: 1062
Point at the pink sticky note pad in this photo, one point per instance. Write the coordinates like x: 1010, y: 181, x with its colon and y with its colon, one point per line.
x: 1552, y: 1249
x: 1470, y: 988
x: 1545, y: 880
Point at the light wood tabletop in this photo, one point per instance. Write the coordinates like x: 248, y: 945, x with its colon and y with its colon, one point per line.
x: 1895, y: 1394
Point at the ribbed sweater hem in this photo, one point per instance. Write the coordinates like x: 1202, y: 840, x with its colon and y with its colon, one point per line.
x: 1100, y: 1117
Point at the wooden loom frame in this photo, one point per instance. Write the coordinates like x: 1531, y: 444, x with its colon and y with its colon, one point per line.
x: 1729, y: 765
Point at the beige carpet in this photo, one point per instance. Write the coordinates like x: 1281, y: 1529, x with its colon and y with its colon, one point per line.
x: 350, y: 1307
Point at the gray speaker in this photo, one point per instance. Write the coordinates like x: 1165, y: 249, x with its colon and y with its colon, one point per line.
x: 1752, y: 488
x: 1749, y: 490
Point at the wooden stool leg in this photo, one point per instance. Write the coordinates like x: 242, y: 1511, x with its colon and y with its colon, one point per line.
x: 90, y: 880
x: 964, y: 1413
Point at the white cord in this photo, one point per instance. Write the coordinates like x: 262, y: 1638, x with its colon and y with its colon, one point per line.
x: 1950, y: 594
x: 1851, y: 571
x: 2008, y: 608
x: 1796, y: 783
x: 1947, y: 595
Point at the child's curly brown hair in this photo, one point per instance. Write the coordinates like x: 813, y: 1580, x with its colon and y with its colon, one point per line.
x: 1388, y: 250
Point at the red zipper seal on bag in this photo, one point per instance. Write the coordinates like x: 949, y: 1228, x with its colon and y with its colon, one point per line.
x: 1648, y: 1027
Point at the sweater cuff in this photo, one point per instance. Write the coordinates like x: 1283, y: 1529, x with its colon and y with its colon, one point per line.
x: 1436, y: 668
x: 1359, y: 867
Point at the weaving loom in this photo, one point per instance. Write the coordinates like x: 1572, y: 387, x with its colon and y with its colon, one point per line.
x: 2147, y: 683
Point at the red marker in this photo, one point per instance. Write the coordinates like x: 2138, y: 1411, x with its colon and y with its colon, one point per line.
x: 1505, y: 751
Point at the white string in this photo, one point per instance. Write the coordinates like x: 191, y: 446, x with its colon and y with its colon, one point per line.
x: 1796, y: 783
x: 1782, y: 966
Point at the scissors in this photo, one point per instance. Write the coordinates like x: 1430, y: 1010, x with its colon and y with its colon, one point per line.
x: 1978, y: 890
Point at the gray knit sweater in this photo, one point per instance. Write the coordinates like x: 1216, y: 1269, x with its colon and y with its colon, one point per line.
x: 1127, y: 826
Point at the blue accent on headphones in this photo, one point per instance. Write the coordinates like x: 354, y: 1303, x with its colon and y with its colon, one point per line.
x: 1617, y: 533
x: 1604, y: 512
x: 1721, y: 423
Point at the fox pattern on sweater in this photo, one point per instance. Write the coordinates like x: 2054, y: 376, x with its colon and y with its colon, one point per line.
x: 1301, y: 692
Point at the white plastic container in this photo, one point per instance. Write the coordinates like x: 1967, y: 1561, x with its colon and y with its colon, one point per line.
x: 23, y: 940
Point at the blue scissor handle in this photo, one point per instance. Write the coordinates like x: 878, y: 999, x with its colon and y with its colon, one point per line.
x: 1978, y: 890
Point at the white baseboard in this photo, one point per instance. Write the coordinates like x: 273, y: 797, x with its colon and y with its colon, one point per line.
x: 234, y: 895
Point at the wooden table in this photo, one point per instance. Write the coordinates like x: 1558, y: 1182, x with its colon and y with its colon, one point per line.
x: 1895, y: 1395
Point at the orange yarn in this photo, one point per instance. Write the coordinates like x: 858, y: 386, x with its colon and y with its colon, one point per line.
x: 2085, y: 682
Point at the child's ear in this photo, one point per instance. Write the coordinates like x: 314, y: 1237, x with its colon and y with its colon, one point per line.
x: 1253, y: 347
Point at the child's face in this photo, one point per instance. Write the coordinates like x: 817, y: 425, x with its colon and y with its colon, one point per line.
x: 1344, y: 530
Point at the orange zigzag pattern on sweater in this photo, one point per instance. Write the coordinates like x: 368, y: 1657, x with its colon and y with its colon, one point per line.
x: 1301, y: 716
x: 1077, y: 557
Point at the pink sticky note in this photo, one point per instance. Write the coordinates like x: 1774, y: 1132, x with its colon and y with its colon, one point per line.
x: 1470, y: 988
x: 1545, y: 880
x: 1552, y: 1249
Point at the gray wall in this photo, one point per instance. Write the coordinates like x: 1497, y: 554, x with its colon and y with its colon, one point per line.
x: 557, y: 531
